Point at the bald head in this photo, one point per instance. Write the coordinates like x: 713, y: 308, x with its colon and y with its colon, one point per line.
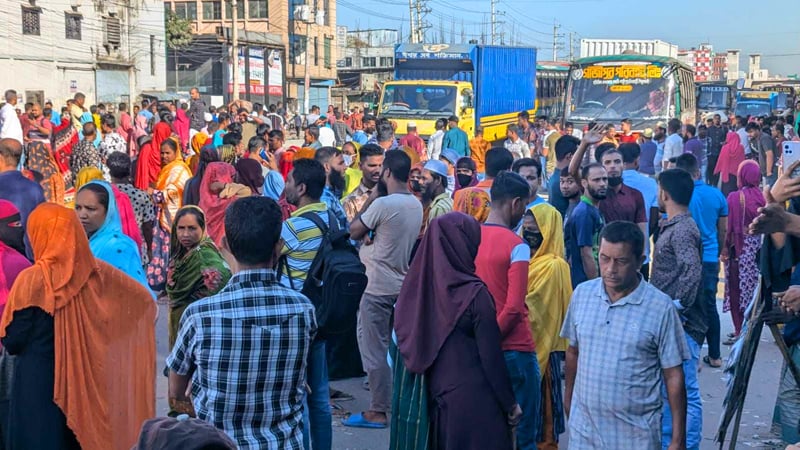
x: 11, y: 96
x: 10, y: 153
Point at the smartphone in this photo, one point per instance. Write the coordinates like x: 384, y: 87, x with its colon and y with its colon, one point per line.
x: 791, y: 153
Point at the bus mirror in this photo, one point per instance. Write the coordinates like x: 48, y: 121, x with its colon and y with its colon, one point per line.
x: 466, y: 98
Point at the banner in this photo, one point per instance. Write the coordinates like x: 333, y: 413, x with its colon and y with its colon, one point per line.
x: 256, y: 70
x: 275, y: 73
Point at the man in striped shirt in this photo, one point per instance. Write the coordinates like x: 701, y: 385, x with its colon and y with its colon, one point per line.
x: 302, y: 239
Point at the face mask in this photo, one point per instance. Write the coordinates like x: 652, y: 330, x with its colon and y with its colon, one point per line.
x: 348, y: 160
x: 533, y: 238
x: 415, y: 186
x: 464, y: 180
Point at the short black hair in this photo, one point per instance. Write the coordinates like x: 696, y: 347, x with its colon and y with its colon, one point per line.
x: 678, y: 184
x: 262, y: 129
x: 690, y: 129
x: 313, y: 130
x: 527, y: 162
x: 256, y: 143
x: 602, y: 148
x: 310, y: 173
x: 624, y: 232
x: 324, y: 154
x: 524, y: 115
x: 384, y: 132
x: 752, y: 126
x: 507, y: 186
x: 566, y: 145
x: 119, y: 165
x: 398, y: 163
x: 585, y: 169
x: 687, y: 162
x: 89, y: 129
x: 235, y: 127
x: 276, y: 133
x: 368, y: 118
x: 369, y: 150
x: 10, y: 151
x: 497, y: 159
x: 110, y: 121
x: 629, y: 151
x: 252, y: 227
x: 674, y: 125
x: 232, y: 138
x: 223, y: 116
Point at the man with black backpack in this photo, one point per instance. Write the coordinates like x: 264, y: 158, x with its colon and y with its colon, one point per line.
x: 319, y: 261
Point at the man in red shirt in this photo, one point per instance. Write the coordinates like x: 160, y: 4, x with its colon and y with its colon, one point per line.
x: 502, y: 263
x: 627, y: 137
x: 413, y: 141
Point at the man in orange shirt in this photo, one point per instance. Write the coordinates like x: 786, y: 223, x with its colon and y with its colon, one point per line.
x: 478, y: 147
x: 357, y: 118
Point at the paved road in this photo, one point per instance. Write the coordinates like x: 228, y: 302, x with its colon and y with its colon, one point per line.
x: 756, y: 419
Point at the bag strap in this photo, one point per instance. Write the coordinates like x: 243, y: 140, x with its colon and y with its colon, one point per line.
x: 315, y: 219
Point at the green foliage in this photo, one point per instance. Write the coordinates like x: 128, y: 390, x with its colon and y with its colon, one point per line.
x: 178, y: 31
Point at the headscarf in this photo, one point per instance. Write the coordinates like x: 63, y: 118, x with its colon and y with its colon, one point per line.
x: 148, y: 165
x: 171, y: 181
x: 191, y: 194
x: 110, y: 243
x: 210, y: 202
x: 88, y: 118
x: 743, y: 205
x: 12, y: 232
x: 227, y: 153
x: 473, y: 201
x: 549, y: 285
x: 64, y: 139
x: 195, y: 273
x: 12, y: 249
x: 248, y: 173
x: 432, y: 301
x: 86, y: 175
x: 181, y: 125
x: 40, y: 159
x: 730, y: 157
x: 273, y: 185
x: 468, y: 161
x: 103, y: 325
x: 199, y: 141
x: 162, y: 132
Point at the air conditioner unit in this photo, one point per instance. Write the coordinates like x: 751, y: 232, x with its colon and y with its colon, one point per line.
x: 320, y: 17
x: 302, y: 13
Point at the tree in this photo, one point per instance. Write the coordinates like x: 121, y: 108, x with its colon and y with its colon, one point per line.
x: 179, y: 36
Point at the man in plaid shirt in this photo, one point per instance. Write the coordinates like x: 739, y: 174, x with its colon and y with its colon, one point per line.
x: 246, y: 348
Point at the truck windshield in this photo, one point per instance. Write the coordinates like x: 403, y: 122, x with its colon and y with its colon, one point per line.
x: 754, y: 109
x: 403, y: 100
x: 715, y: 98
x: 645, y: 104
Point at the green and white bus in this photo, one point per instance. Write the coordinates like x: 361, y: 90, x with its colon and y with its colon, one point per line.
x: 644, y: 89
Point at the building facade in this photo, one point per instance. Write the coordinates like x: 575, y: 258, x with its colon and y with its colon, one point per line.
x: 274, y: 40
x: 111, y: 51
x: 364, y: 63
x: 700, y: 60
x: 606, y: 47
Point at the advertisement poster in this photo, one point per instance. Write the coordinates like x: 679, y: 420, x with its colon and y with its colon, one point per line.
x: 242, y: 71
x: 275, y: 73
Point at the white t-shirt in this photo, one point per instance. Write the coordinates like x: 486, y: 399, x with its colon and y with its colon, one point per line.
x: 326, y: 137
x: 395, y: 220
x: 673, y: 146
x: 9, y: 123
x: 744, y: 139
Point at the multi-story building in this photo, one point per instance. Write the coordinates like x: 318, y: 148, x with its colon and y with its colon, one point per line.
x: 109, y: 50
x: 699, y: 59
x: 365, y: 61
x: 605, y: 47
x: 276, y: 41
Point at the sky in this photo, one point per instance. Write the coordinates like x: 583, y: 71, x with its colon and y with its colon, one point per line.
x: 775, y: 34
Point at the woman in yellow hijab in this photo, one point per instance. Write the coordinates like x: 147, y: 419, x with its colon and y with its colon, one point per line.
x: 549, y: 291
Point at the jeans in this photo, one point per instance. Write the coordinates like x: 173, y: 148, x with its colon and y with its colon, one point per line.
x: 317, y: 421
x: 523, y: 369
x: 694, y: 404
x: 709, y: 298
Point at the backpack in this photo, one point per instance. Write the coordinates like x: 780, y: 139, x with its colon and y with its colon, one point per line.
x: 336, y: 279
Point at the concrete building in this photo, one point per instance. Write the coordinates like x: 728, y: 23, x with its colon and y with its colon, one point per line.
x: 755, y: 72
x: 604, y: 47
x: 275, y: 39
x: 732, y: 57
x: 699, y: 59
x: 366, y: 61
x: 109, y: 50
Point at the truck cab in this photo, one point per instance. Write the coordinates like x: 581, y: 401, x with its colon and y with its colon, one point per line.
x: 756, y: 103
x: 424, y: 102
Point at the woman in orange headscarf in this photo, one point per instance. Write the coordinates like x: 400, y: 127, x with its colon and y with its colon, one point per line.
x: 84, y: 337
x: 168, y: 198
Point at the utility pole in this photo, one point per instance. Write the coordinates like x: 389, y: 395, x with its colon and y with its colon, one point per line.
x: 307, y: 79
x: 556, y: 26
x: 494, y: 21
x: 413, y: 38
x: 571, y: 53
x: 234, y: 48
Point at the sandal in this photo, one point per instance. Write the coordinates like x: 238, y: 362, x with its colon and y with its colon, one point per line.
x: 716, y: 363
x: 731, y: 340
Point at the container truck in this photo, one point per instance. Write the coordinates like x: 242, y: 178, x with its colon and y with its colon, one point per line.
x: 756, y: 103
x: 482, y: 85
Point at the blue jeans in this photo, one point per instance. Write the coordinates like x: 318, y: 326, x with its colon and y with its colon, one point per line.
x: 523, y: 369
x: 709, y: 306
x: 694, y: 404
x: 317, y: 421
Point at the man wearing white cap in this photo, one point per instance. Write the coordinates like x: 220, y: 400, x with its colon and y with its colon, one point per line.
x: 413, y: 141
x: 434, y: 183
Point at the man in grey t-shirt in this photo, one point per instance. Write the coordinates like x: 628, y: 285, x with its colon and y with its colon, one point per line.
x: 389, y: 225
x: 763, y: 144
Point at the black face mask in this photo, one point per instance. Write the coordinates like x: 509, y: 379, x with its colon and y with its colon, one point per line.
x: 464, y: 180
x: 12, y: 234
x: 533, y: 238
x: 415, y: 186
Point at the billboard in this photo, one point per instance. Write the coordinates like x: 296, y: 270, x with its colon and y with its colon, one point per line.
x: 275, y: 65
x: 256, y: 70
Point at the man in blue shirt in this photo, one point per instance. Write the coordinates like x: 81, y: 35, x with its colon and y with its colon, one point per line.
x: 649, y: 189
x: 531, y: 170
x: 582, y: 231
x: 565, y: 148
x: 709, y: 210
x: 456, y: 138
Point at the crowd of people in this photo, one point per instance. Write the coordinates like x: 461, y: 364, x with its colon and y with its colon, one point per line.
x: 483, y: 314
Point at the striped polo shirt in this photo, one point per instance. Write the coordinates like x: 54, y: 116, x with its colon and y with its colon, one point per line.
x: 301, y: 241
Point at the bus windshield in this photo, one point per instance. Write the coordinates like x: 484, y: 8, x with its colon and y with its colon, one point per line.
x: 644, y: 101
x: 403, y: 100
x: 752, y: 109
x: 714, y: 97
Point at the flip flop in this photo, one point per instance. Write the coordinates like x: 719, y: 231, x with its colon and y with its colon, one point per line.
x: 358, y: 421
x: 708, y: 360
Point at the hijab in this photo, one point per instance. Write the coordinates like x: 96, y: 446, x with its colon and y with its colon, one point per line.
x: 730, y: 157
x: 440, y: 285
x: 467, y: 162
x: 743, y: 204
x: 549, y: 285
x: 199, y: 141
x: 248, y: 173
x: 110, y: 243
x: 210, y: 202
x: 12, y: 249
x: 11, y: 231
x: 148, y: 165
x: 104, y: 334
x: 87, y: 118
x: 191, y: 194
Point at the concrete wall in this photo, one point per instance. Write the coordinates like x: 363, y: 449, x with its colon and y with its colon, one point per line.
x: 604, y: 47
